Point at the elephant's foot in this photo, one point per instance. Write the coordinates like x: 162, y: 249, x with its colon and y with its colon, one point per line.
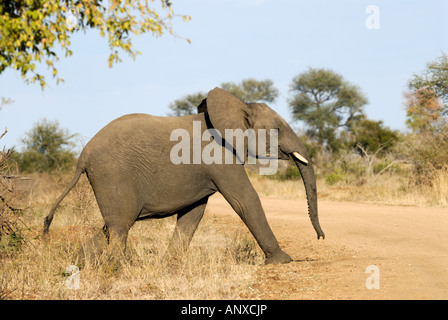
x: 109, y: 258
x: 87, y: 255
x: 278, y: 257
x: 91, y: 251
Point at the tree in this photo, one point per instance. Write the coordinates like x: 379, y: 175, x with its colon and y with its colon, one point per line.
x: 187, y: 105
x: 426, y: 147
x: 326, y: 102
x: 252, y: 90
x: 47, y: 147
x: 435, y: 77
x: 427, y: 101
x: 373, y: 137
x: 30, y: 30
x: 248, y: 90
x: 372, y: 140
x: 423, y: 109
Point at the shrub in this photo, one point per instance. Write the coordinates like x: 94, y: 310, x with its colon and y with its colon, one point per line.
x: 290, y: 173
x: 11, y: 237
x: 47, y: 148
x: 337, y: 176
x: 427, y: 152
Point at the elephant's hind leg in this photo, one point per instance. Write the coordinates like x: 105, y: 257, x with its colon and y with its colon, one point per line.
x: 187, y: 222
x: 111, y: 240
x: 119, y: 213
x: 93, y: 248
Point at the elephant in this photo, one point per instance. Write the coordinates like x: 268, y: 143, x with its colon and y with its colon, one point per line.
x: 129, y: 164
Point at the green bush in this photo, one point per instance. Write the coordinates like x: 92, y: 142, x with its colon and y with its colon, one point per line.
x: 290, y: 173
x: 10, y: 241
x: 47, y: 148
x: 337, y: 176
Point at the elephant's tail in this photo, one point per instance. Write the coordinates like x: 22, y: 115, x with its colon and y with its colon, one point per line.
x: 49, y: 218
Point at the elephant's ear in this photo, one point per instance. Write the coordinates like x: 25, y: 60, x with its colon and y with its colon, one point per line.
x: 226, y: 111
x: 203, y: 106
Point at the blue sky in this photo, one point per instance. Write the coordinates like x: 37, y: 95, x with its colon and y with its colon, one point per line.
x: 232, y: 40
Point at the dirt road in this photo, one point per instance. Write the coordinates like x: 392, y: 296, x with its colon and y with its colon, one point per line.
x: 408, y: 247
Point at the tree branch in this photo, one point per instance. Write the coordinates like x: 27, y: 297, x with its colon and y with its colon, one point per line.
x: 3, y: 134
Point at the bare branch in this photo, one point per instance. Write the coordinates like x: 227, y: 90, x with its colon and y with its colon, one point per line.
x: 6, y: 131
x: 389, y: 165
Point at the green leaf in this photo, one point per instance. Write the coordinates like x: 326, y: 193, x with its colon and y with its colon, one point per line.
x: 42, y: 25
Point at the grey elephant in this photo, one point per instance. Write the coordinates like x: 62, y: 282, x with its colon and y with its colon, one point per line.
x: 138, y: 171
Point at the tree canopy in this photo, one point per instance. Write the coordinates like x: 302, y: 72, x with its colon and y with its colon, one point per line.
x: 427, y: 116
x: 427, y: 101
x: 372, y: 136
x: 252, y: 90
x: 31, y: 31
x: 187, y: 105
x: 249, y: 90
x: 326, y: 102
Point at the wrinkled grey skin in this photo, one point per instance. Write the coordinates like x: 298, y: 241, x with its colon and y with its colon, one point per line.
x: 129, y: 168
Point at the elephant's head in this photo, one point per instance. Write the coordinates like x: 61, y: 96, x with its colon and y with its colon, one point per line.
x: 225, y: 111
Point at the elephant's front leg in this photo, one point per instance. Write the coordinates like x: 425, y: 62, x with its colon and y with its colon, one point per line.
x: 239, y: 192
x: 236, y: 188
x: 187, y: 222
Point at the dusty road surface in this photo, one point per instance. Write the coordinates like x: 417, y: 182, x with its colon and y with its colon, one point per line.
x: 408, y: 247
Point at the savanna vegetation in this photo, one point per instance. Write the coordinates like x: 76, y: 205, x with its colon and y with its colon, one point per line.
x: 355, y: 158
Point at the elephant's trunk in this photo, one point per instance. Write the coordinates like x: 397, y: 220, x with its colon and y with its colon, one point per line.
x: 309, y: 180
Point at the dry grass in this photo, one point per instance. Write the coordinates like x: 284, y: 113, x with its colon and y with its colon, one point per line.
x: 220, y: 264
x: 385, y: 189
x: 271, y: 188
x: 397, y: 190
x: 205, y: 272
x: 439, y: 190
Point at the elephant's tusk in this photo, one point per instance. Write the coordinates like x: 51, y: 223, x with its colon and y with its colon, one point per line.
x: 300, y: 157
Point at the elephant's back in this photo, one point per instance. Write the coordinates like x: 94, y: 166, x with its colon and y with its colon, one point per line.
x: 119, y: 133
x: 137, y: 134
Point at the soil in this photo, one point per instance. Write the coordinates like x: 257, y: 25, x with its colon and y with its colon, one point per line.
x: 408, y: 247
